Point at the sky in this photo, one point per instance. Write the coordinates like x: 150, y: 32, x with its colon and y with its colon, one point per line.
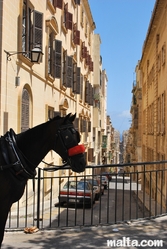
x: 122, y: 26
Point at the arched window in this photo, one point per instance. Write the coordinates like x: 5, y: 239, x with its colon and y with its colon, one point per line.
x: 25, y: 111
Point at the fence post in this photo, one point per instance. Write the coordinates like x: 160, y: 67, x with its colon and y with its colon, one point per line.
x: 38, y: 196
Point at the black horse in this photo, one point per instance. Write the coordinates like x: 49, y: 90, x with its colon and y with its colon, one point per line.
x: 20, y: 154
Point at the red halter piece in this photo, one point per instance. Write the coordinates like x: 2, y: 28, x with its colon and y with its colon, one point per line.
x: 78, y: 149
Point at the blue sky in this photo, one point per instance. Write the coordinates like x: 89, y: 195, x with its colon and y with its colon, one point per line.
x: 122, y: 26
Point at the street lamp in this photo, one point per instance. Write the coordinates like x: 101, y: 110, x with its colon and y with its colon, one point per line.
x: 36, y: 54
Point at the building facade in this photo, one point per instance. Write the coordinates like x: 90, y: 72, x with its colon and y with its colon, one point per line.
x: 149, y: 105
x: 68, y: 79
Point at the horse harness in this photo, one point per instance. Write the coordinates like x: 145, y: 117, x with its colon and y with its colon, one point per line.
x: 20, y: 165
x: 14, y: 158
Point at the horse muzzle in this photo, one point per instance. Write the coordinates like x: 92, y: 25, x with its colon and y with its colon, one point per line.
x: 78, y: 163
x: 77, y: 158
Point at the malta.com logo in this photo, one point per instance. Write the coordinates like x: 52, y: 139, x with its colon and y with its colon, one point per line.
x: 127, y: 242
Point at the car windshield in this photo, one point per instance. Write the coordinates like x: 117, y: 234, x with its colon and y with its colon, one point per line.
x: 72, y: 185
x: 93, y: 182
x: 82, y: 185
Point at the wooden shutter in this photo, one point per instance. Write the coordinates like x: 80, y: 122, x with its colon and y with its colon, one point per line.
x: 76, y: 35
x: 76, y: 80
x: 25, y: 111
x: 81, y: 87
x: 85, y: 52
x: 83, y: 125
x: 74, y: 77
x: 89, y: 126
x: 59, y: 4
x: 57, y: 59
x: 37, y: 28
x: 78, y: 83
x: 87, y: 92
x: 54, y: 3
x: 90, y: 94
x: 82, y: 49
x: 51, y: 55
x: 90, y: 154
x: 68, y: 23
x: 91, y: 66
x: 77, y: 2
x: 69, y: 71
x: 87, y: 59
x: 77, y: 38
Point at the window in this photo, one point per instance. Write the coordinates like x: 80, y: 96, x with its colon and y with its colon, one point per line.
x: 50, y: 54
x: 91, y: 65
x: 163, y: 54
x: 77, y: 2
x: 163, y: 114
x: 32, y: 22
x: 159, y: 115
x: 50, y: 112
x: 76, y: 79
x: 83, y: 50
x: 67, y: 70
x: 159, y: 61
x: 83, y: 125
x: 76, y: 35
x: 81, y: 88
x: 57, y: 3
x: 57, y: 59
x: 25, y: 111
x: 88, y: 93
x: 67, y: 18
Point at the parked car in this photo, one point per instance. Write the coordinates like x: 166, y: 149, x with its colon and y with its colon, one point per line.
x: 96, y: 186
x: 80, y: 192
x: 104, y: 180
x: 121, y: 172
x: 108, y: 174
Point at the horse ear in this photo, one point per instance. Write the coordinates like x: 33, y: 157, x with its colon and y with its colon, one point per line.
x: 72, y: 118
x: 69, y: 117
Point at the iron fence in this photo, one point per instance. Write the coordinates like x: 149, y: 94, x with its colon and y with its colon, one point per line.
x: 138, y: 191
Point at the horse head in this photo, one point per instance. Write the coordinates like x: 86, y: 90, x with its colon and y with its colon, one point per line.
x: 67, y: 144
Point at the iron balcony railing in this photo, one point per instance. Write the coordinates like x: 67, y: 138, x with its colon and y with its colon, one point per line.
x: 137, y: 192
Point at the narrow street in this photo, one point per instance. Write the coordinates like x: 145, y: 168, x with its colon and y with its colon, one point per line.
x: 117, y: 204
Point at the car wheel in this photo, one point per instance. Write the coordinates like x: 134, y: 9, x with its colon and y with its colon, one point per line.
x: 61, y: 204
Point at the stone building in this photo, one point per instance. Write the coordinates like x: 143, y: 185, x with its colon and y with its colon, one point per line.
x: 63, y: 81
x: 149, y: 106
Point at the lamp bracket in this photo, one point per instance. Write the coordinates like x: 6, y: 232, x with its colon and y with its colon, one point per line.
x: 10, y: 53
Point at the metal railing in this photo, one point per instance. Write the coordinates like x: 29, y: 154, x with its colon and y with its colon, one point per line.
x: 139, y: 192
